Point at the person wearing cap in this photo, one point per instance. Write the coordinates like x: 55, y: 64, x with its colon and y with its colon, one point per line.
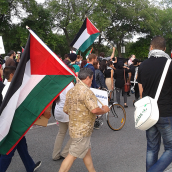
x: 18, y: 56
x: 73, y: 57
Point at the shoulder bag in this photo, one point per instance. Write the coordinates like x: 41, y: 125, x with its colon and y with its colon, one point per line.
x: 126, y: 85
x: 147, y: 113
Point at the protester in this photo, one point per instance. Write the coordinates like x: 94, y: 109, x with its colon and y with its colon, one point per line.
x: 84, y: 62
x: 102, y: 56
x: 92, y: 58
x: 21, y: 147
x: 63, y: 120
x: 109, y: 76
x: 119, y: 83
x: 82, y: 111
x: 78, y: 60
x: 130, y: 61
x: 73, y: 57
x: 149, y: 74
x: 10, y: 61
x: 100, y: 81
x: 66, y: 59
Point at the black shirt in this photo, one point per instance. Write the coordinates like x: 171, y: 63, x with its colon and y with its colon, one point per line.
x: 107, y: 73
x: 149, y: 75
x: 119, y: 83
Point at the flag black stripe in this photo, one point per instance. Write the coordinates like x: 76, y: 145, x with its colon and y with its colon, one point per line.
x: 18, y: 76
x: 84, y: 25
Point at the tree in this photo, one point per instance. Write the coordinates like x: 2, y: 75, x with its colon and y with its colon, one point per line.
x: 131, y: 17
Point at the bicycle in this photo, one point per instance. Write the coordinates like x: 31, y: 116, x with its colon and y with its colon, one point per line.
x: 115, y: 118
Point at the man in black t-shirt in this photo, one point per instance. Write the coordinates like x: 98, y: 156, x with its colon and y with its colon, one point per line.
x: 149, y: 74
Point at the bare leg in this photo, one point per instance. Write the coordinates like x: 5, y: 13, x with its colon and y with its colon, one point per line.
x: 67, y: 163
x: 88, y: 161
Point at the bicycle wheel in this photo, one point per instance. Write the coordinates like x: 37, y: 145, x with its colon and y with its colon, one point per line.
x: 116, y: 117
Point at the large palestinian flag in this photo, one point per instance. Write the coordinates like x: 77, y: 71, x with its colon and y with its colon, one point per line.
x: 86, y: 36
x: 38, y: 80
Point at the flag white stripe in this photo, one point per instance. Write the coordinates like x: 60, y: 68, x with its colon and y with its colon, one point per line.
x: 83, y: 37
x: 52, y: 53
x: 7, y: 115
x: 33, y: 81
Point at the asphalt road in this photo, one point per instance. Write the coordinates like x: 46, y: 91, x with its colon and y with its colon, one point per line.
x: 112, y: 151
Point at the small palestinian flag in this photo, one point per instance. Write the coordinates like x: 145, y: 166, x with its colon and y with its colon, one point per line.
x: 22, y: 49
x: 86, y: 36
x: 88, y: 53
x: 40, y: 77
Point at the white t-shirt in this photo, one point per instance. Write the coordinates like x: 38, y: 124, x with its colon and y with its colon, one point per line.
x: 58, y: 112
x: 4, y: 91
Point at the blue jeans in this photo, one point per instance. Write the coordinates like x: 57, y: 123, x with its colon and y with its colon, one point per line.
x: 28, y: 162
x: 163, y: 129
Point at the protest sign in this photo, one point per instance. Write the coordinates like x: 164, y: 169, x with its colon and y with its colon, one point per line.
x: 2, y: 51
x: 101, y: 95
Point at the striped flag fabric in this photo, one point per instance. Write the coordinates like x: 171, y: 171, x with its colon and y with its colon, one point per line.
x: 40, y: 77
x: 88, y: 53
x: 86, y: 36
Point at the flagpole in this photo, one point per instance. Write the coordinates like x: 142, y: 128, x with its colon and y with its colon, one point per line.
x: 88, y: 88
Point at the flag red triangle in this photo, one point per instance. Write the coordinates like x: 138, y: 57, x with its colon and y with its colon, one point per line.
x: 42, y: 62
x: 91, y: 29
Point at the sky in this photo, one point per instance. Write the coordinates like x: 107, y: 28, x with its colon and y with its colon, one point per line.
x: 40, y: 1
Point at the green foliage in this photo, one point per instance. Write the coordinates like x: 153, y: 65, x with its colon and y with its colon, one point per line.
x: 139, y: 48
x: 117, y: 19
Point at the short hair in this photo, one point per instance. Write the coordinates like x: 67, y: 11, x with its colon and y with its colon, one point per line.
x: 8, y: 70
x: 84, y: 73
x: 66, y: 56
x: 11, y: 52
x: 158, y: 42
x: 91, y: 56
x: 78, y: 56
x: 102, y: 54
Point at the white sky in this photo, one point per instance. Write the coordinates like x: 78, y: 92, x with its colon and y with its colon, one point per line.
x: 40, y: 1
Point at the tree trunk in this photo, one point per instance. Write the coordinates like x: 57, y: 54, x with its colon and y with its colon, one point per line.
x: 119, y: 49
x: 67, y: 36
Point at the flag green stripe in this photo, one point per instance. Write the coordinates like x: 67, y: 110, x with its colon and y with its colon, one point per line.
x: 88, y: 42
x: 32, y: 106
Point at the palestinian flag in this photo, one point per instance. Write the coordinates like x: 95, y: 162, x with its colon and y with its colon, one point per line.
x: 40, y: 77
x: 88, y: 53
x: 86, y: 36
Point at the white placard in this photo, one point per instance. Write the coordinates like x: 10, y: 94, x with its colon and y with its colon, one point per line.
x: 122, y: 49
x: 2, y: 50
x: 101, y: 95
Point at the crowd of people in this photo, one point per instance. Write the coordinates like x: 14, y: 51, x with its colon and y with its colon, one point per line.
x: 77, y: 110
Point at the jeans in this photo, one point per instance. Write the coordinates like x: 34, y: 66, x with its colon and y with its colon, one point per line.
x: 118, y: 92
x: 28, y: 162
x: 163, y: 129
